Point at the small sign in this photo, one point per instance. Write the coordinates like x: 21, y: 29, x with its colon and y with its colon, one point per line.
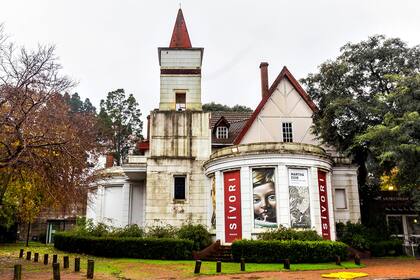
x: 298, y: 177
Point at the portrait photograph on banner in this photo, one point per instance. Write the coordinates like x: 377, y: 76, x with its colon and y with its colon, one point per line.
x: 299, y: 198
x: 264, y: 197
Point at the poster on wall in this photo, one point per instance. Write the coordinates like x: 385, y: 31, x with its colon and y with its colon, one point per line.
x: 300, y: 216
x: 213, y: 202
x: 233, y: 216
x: 323, y: 201
x: 264, y: 197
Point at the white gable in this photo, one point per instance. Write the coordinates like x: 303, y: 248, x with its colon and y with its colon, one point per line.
x: 284, y: 105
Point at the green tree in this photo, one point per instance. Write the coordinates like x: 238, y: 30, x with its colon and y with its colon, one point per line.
x: 120, y: 117
x: 212, y: 106
x: 77, y: 105
x: 395, y: 142
x: 353, y: 93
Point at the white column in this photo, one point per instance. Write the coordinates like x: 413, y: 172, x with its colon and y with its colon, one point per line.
x: 220, y: 204
x: 246, y: 203
x: 125, y: 215
x: 331, y: 206
x: 282, y: 189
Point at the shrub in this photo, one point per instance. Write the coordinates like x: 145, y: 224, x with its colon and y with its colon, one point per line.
x: 129, y: 247
x: 297, y: 251
x: 196, y: 233
x: 283, y: 233
x: 128, y: 231
x: 359, y: 236
x: 387, y: 248
x: 161, y: 231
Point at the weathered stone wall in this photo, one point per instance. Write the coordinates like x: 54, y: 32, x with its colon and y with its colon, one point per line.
x: 345, y: 177
x: 180, y: 142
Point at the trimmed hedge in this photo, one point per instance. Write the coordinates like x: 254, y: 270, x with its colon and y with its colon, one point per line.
x: 129, y: 247
x: 262, y: 251
x: 387, y: 248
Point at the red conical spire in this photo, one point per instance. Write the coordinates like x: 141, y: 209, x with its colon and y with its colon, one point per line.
x: 180, y: 37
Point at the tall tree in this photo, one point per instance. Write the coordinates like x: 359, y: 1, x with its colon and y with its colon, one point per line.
x: 121, y: 121
x: 39, y: 135
x: 352, y: 95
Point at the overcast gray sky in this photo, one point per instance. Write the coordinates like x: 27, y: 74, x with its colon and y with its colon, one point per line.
x: 105, y: 45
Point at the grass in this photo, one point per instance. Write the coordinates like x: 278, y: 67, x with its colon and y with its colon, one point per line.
x: 140, y: 268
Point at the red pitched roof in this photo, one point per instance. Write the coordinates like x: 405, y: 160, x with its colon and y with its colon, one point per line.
x: 283, y: 74
x: 180, y: 37
x: 236, y: 122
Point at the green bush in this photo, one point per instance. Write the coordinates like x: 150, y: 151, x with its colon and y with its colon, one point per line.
x: 297, y: 251
x: 128, y: 231
x: 387, y: 248
x: 359, y: 236
x: 128, y: 247
x: 196, y: 233
x: 283, y: 233
x: 161, y: 231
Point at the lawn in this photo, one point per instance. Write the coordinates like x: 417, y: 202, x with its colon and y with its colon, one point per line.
x: 112, y: 268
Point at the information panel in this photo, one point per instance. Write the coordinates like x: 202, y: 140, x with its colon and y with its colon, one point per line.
x: 233, y: 217
x: 323, y: 200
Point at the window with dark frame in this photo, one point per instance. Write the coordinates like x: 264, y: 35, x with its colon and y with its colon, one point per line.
x: 222, y: 132
x: 179, y: 187
x: 287, y: 132
x: 180, y: 101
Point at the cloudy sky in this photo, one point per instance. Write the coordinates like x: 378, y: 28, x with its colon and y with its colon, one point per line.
x: 105, y: 45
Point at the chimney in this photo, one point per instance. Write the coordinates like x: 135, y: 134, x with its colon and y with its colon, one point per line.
x: 264, y: 78
x: 109, y: 161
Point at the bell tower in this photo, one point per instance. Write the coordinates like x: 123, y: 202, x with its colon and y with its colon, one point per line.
x: 180, y: 71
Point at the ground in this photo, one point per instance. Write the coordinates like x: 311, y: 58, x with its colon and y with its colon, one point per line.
x: 107, y: 269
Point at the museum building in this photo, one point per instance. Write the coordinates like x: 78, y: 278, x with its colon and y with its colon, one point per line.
x: 237, y: 173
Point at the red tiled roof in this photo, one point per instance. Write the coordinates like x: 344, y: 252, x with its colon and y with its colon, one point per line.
x: 236, y: 121
x: 284, y: 74
x: 180, y: 37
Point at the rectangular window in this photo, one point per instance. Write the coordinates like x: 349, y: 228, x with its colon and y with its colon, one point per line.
x: 221, y: 132
x: 179, y: 187
x: 340, y: 199
x: 413, y: 225
x: 287, y: 132
x: 180, y: 101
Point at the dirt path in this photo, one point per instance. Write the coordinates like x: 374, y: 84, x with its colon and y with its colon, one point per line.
x: 376, y: 268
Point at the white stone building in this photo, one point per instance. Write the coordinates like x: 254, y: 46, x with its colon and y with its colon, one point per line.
x: 237, y: 173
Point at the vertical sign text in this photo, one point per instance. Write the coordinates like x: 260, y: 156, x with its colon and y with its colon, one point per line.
x: 233, y: 217
x: 323, y: 200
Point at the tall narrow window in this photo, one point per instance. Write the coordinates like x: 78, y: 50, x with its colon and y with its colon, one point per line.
x: 222, y: 132
x: 340, y: 199
x: 180, y: 101
x: 179, y: 187
x: 287, y: 132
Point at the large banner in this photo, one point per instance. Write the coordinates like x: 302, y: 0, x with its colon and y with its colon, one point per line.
x: 264, y: 196
x: 300, y: 216
x: 233, y: 217
x: 323, y: 199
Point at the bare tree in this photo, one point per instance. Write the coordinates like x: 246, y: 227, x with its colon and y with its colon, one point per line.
x: 39, y: 135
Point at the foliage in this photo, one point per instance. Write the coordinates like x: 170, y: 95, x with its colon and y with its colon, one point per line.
x: 161, y: 231
x: 360, y: 236
x: 263, y: 251
x: 120, y: 118
x: 196, y: 233
x: 77, y: 105
x: 384, y: 248
x: 129, y: 231
x: 283, y: 233
x: 44, y: 147
x: 355, y: 91
x: 211, y: 107
x: 130, y: 247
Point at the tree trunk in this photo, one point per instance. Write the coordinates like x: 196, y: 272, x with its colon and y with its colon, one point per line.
x: 27, y: 235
